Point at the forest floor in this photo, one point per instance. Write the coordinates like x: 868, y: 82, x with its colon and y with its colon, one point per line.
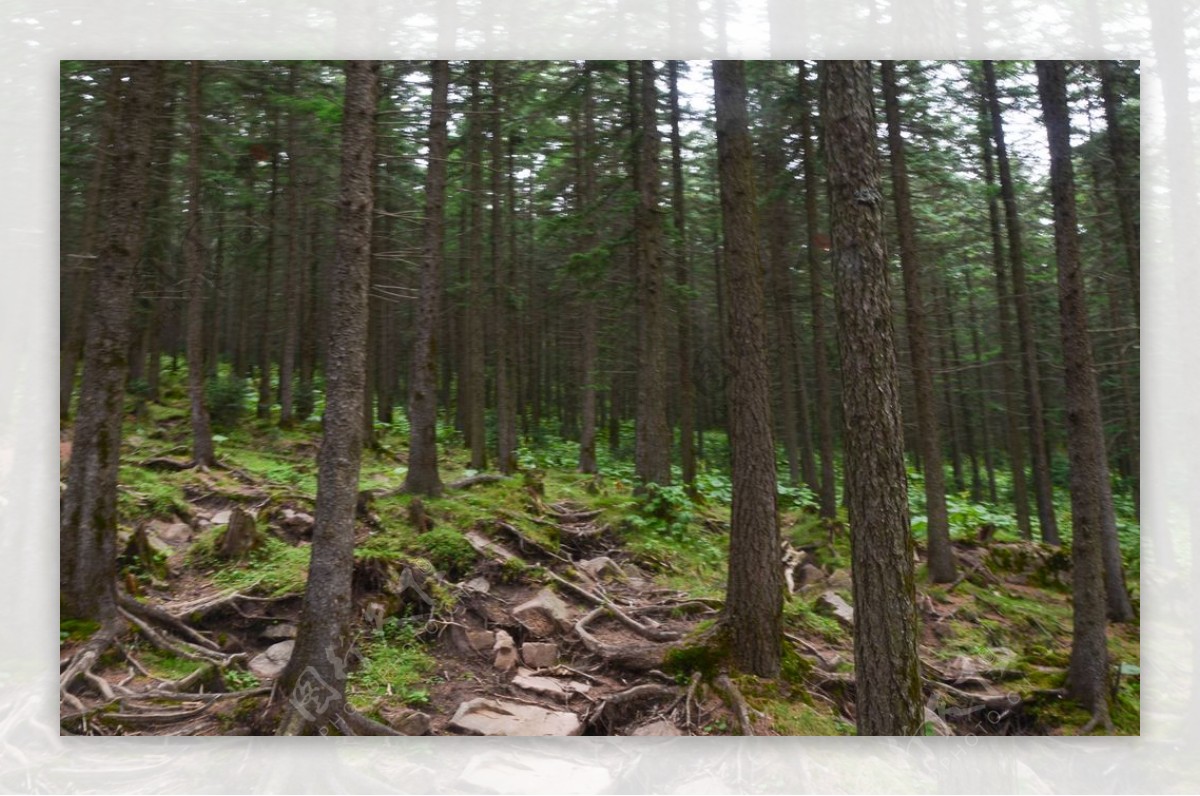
x: 549, y: 602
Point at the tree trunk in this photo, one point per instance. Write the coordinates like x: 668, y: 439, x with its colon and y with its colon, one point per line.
x: 265, y: 316
x: 291, y: 275
x: 1126, y: 184
x: 885, y: 635
x: 1087, y: 677
x: 422, y: 477
x: 1014, y: 444
x: 589, y: 333
x: 505, y: 283
x: 653, y: 443
x: 1043, y: 488
x: 981, y: 402
x: 322, y: 640
x: 683, y: 279
x: 473, y: 327
x: 941, y: 557
x: 754, y: 596
x: 88, y: 527
x: 827, y: 494
x: 202, y: 443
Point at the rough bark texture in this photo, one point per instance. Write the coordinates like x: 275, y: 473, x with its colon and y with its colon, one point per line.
x: 589, y: 333
x: 88, y: 523
x: 322, y: 639
x: 653, y: 444
x: 202, y: 443
x: 941, y: 558
x: 422, y: 476
x: 1088, y: 672
x: 1008, y: 374
x: 683, y: 279
x: 1033, y: 390
x: 885, y: 640
x: 754, y: 596
x: 827, y: 494
x: 76, y: 317
x: 265, y: 315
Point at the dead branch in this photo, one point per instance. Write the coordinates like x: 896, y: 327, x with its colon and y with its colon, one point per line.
x: 475, y: 480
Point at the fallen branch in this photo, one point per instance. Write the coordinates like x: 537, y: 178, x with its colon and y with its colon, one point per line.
x: 475, y: 480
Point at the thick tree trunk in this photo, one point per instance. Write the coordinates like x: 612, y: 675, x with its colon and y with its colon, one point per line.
x: 88, y: 528
x: 322, y: 641
x: 202, y: 443
x: 941, y: 557
x: 827, y: 494
x: 981, y: 401
x: 887, y: 676
x: 754, y: 597
x: 1043, y: 487
x: 1126, y: 182
x: 653, y: 449
x: 589, y: 332
x: 1087, y: 678
x: 265, y: 316
x: 422, y: 477
x: 81, y: 283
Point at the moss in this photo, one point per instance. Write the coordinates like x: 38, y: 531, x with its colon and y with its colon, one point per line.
x: 394, y: 664
x: 447, y: 549
x: 276, y: 569
x: 168, y: 666
x: 77, y: 629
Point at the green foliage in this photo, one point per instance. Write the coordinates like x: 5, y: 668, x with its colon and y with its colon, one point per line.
x: 239, y: 680
x: 275, y: 568
x: 147, y: 493
x: 226, y: 400
x: 168, y: 666
x: 800, y: 613
x: 394, y: 663
x: 448, y: 550
x: 77, y: 629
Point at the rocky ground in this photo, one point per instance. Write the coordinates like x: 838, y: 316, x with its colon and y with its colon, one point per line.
x: 533, y: 605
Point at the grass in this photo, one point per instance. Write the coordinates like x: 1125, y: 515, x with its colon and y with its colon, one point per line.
x: 275, y: 569
x: 394, y: 664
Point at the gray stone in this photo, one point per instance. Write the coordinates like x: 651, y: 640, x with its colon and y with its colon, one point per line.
x: 506, y: 652
x: 539, y: 654
x: 601, y: 567
x: 479, y: 584
x: 659, y: 727
x: 833, y: 605
x: 548, y: 686
x: 270, y: 664
x: 221, y: 517
x: 284, y: 630
x: 809, y: 575
x: 485, y: 716
x: 173, y: 533
x: 408, y: 721
x: 543, y: 616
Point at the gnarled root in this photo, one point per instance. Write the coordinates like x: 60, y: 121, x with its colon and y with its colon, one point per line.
x: 737, y: 703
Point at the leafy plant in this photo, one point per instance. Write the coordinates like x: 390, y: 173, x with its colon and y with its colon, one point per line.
x: 226, y: 399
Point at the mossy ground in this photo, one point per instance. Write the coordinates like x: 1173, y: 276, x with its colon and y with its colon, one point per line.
x: 679, y: 538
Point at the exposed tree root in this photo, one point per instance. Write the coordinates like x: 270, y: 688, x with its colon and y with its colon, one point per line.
x: 736, y: 702
x: 641, y: 657
x: 155, y: 614
x: 608, y: 712
x: 475, y: 480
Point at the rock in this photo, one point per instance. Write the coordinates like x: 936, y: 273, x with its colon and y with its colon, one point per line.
x: 831, y: 604
x: 506, y: 652
x: 283, y: 630
x: 937, y: 723
x: 485, y: 716
x: 543, y: 616
x: 809, y: 575
x: 539, y: 654
x: 840, y: 579
x: 407, y: 721
x: 479, y: 584
x: 270, y: 664
x: 548, y: 686
x: 471, y: 640
x: 601, y: 567
x: 240, y: 537
x: 659, y: 727
x: 221, y: 517
x: 172, y: 533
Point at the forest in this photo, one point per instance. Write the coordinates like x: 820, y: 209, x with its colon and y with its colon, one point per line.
x: 599, y: 398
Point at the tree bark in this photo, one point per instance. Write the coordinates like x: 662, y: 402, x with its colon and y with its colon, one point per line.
x: 1008, y: 374
x: 1087, y: 677
x: 1126, y: 183
x: 203, y: 453
x: 422, y: 477
x: 88, y: 527
x: 653, y: 442
x: 291, y: 275
x: 827, y: 493
x: 505, y: 284
x: 885, y: 635
x: 322, y: 640
x: 1043, y: 488
x: 754, y: 596
x: 941, y: 557
x: 683, y: 279
x: 473, y: 327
